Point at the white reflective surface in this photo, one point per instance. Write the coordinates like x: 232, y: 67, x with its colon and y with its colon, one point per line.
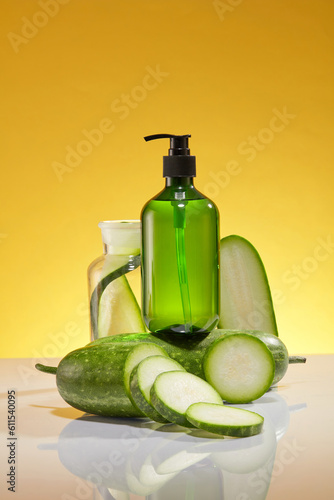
x: 61, y: 453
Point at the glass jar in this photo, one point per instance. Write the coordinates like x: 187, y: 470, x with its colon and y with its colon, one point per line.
x: 114, y: 281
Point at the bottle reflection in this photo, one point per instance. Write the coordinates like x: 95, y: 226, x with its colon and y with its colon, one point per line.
x: 120, y: 458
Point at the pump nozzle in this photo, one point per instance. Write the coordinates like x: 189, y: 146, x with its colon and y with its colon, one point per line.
x: 178, y: 163
x: 179, y: 144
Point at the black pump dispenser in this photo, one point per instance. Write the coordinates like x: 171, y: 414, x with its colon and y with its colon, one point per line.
x: 179, y: 162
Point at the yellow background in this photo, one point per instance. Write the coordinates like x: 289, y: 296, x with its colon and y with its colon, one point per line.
x: 224, y: 68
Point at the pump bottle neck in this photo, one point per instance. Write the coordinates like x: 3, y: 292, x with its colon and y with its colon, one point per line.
x: 179, y: 181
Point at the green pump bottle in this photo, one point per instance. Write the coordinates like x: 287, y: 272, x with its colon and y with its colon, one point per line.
x: 180, y: 249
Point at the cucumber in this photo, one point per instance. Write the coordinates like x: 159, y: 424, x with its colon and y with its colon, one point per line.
x: 113, y: 306
x: 173, y: 392
x: 142, y: 379
x: 91, y: 380
x: 224, y: 420
x: 279, y: 352
x: 246, y: 302
x: 135, y: 356
x: 240, y: 367
x: 96, y: 370
x: 119, y: 311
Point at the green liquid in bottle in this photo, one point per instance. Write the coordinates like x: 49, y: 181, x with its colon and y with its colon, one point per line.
x: 180, y: 249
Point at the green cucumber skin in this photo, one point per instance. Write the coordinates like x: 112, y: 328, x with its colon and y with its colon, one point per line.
x: 187, y: 386
x: 167, y: 412
x: 127, y: 374
x: 91, y: 380
x: 245, y: 248
x: 278, y: 350
x: 140, y: 402
x: 226, y: 430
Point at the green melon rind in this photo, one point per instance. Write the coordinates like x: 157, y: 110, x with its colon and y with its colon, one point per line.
x: 226, y: 429
x: 216, y: 380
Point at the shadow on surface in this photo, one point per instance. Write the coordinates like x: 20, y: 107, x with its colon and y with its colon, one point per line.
x: 4, y: 395
x: 67, y: 412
